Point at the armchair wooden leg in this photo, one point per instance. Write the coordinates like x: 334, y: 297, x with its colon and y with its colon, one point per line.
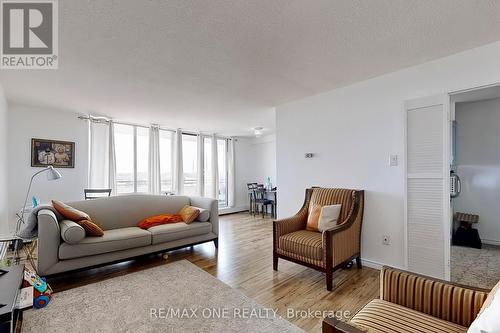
x: 275, y: 261
x: 329, y: 279
x: 358, y: 262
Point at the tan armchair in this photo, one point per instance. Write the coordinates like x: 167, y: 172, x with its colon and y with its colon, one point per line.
x: 327, y: 251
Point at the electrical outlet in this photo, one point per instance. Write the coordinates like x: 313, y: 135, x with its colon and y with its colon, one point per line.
x: 393, y: 160
x: 386, y: 240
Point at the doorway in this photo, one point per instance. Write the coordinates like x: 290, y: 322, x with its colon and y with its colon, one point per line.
x: 475, y: 187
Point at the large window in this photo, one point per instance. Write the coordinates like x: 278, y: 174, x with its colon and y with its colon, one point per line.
x: 124, y: 149
x: 132, y: 156
x: 142, y: 179
x: 189, y: 163
x: 222, y: 167
x: 207, y: 166
x: 132, y: 162
x: 166, y: 160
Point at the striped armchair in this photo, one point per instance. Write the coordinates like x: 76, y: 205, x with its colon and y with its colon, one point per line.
x: 327, y: 251
x: 414, y: 303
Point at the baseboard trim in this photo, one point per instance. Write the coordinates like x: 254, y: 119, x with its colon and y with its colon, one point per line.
x: 490, y: 242
x: 371, y: 264
x: 377, y: 265
x: 232, y: 210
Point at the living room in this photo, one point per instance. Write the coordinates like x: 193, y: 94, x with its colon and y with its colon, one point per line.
x: 259, y: 166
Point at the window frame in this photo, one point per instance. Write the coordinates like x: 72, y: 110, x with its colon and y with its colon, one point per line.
x: 224, y: 204
x: 134, y: 164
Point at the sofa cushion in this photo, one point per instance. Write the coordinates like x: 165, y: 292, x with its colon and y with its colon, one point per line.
x: 383, y: 316
x: 112, y: 240
x: 170, y: 232
x: 71, y: 232
x: 308, y: 244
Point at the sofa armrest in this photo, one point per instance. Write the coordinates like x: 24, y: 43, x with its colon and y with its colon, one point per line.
x: 211, y: 205
x: 441, y: 299
x: 333, y: 325
x: 49, y: 238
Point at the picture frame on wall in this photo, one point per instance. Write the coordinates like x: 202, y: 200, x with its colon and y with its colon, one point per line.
x: 59, y: 154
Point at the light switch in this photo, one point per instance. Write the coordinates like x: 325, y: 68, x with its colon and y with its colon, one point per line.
x: 394, y: 160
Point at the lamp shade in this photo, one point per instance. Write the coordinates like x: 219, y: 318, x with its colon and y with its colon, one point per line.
x: 52, y: 173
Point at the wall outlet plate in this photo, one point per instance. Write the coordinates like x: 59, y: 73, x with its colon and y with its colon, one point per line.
x: 393, y: 160
x: 386, y: 240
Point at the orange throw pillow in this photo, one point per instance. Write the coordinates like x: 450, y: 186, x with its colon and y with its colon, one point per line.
x: 153, y: 221
x: 69, y: 212
x: 91, y: 229
x: 189, y: 213
x: 313, y: 218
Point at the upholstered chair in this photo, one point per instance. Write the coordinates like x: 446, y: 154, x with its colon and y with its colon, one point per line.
x: 324, y: 251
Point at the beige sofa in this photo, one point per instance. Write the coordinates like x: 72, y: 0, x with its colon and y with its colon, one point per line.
x: 62, y: 247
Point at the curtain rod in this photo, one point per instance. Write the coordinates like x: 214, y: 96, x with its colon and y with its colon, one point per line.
x: 101, y: 119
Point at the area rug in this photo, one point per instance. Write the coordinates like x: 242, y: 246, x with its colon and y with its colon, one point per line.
x: 475, y: 267
x: 176, y: 297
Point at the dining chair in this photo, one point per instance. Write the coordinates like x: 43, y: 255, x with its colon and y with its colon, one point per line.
x: 250, y: 188
x: 94, y: 193
x: 260, y: 200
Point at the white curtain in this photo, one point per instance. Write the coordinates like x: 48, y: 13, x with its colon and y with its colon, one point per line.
x: 102, y: 161
x: 112, y: 159
x: 154, y: 160
x: 98, y: 154
x: 200, y: 176
x: 178, y: 181
x: 231, y: 186
x: 215, y: 170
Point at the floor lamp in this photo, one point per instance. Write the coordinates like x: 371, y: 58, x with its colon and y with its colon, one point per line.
x: 52, y: 174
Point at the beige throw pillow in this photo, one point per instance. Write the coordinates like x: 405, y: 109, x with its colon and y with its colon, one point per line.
x: 329, y: 217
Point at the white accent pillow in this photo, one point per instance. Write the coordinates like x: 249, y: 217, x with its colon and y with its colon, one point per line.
x: 328, y: 217
x: 488, y: 321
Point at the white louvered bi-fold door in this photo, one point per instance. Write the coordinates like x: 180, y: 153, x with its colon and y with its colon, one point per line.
x: 427, y: 186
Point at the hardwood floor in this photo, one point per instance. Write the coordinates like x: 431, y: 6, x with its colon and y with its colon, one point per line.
x: 244, y: 262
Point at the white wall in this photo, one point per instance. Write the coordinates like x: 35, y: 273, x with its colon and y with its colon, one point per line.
x: 27, y: 122
x: 478, y: 164
x: 263, y: 152
x: 4, y: 229
x: 354, y: 129
x: 255, y: 159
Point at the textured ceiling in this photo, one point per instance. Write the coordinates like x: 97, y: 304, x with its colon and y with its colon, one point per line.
x: 223, y: 65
